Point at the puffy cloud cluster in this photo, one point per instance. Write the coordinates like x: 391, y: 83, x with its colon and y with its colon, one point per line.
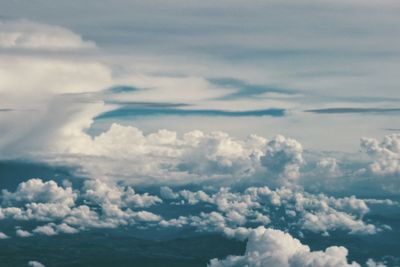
x: 37, y: 191
x: 31, y: 35
x: 99, y: 193
x: 284, y: 156
x: 269, y: 247
x: 283, y: 207
x: 126, y: 152
x: 386, y: 153
x: 384, y: 170
x: 96, y: 205
x: 56, y: 209
x: 99, y: 204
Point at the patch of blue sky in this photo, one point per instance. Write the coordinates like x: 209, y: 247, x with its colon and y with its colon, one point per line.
x: 120, y: 89
x: 153, y: 111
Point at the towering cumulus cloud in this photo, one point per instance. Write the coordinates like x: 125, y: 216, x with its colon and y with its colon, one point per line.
x: 46, y: 94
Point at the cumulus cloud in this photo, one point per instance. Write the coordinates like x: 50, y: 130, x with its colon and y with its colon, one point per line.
x: 23, y: 233
x: 384, y: 168
x: 104, y: 205
x: 386, y: 153
x: 100, y: 192
x: 263, y: 206
x: 164, y: 156
x: 284, y: 156
x: 37, y: 191
x: 125, y: 151
x: 100, y: 204
x: 45, y: 230
x: 24, y: 34
x: 269, y: 247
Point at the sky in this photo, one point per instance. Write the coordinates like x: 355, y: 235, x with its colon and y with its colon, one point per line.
x: 272, y: 126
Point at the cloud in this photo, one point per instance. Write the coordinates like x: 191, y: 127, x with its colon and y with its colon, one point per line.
x: 100, y: 204
x: 284, y: 156
x: 372, y: 263
x: 354, y: 110
x: 49, y: 76
x: 45, y: 230
x: 263, y: 206
x: 328, y: 166
x: 37, y: 191
x: 167, y: 193
x: 163, y: 154
x: 35, y: 264
x: 386, y: 153
x: 99, y: 192
x: 47, y: 103
x: 3, y: 236
x: 24, y: 34
x: 274, y: 248
x: 23, y: 233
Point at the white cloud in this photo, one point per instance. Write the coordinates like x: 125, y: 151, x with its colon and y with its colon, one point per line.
x: 45, y: 230
x: 37, y: 191
x: 35, y: 264
x: 284, y: 156
x: 24, y: 34
x: 100, y: 192
x: 23, y: 233
x: 3, y: 236
x: 274, y: 248
x: 304, y: 211
x: 109, y: 206
x: 187, y: 89
x: 46, y: 93
x: 125, y: 152
x: 372, y: 263
x: 386, y: 153
x: 49, y: 76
